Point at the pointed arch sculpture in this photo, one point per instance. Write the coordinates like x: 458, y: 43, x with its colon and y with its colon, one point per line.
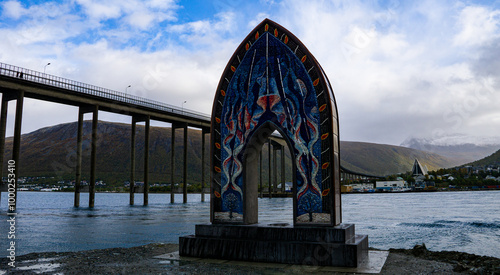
x: 272, y: 82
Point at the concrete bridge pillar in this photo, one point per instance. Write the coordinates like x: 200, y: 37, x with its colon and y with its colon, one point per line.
x: 270, y: 187
x: 172, y: 164
x: 184, y: 172
x: 283, y: 169
x: 203, y: 132
x: 275, y: 169
x: 16, y: 148
x: 6, y: 97
x: 145, y: 191
x: 78, y: 176
x: 260, y: 175
x: 132, y: 161
x: 79, y: 140
x: 146, y: 162
x: 3, y: 124
x: 276, y: 146
x: 93, y: 157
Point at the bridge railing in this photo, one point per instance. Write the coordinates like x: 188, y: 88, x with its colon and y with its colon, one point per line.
x: 59, y: 82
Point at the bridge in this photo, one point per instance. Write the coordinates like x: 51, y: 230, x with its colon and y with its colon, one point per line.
x: 17, y: 83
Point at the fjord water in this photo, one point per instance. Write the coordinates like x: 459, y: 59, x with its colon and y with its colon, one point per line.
x: 454, y: 221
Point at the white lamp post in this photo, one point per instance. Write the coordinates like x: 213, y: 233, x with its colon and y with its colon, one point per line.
x: 45, y: 67
x: 185, y: 101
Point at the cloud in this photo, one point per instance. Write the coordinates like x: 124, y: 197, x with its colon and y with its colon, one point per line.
x: 13, y: 9
x: 102, y: 10
x: 477, y: 25
x: 169, y: 76
x: 141, y: 20
x: 47, y: 22
x: 487, y: 60
x: 206, y: 32
x: 398, y: 68
x: 137, y: 14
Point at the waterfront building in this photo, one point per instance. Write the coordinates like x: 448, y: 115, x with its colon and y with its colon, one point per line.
x: 391, y: 185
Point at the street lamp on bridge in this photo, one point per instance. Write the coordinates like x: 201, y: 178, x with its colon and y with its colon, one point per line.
x: 45, y: 67
x: 127, y: 88
x: 182, y: 109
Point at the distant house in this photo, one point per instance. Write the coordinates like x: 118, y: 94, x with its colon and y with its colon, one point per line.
x: 346, y: 188
x: 419, y: 178
x: 490, y: 177
x: 425, y: 185
x: 288, y: 186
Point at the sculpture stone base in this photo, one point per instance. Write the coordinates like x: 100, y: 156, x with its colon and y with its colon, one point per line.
x: 277, y: 243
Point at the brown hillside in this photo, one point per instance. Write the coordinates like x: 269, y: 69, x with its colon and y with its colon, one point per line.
x: 51, y: 151
x: 381, y: 159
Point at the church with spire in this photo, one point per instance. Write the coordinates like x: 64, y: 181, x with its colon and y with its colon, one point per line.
x: 418, y: 169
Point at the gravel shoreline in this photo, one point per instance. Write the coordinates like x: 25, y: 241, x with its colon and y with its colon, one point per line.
x: 140, y: 260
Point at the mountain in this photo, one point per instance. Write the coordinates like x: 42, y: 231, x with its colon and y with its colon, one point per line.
x: 493, y: 159
x: 382, y: 159
x: 51, y: 151
x: 460, y: 149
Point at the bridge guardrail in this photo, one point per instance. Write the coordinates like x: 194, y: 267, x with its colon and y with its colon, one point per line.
x: 59, y: 82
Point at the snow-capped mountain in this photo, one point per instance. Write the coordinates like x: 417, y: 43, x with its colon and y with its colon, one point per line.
x: 460, y: 148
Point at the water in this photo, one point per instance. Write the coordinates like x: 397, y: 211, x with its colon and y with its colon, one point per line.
x: 455, y: 221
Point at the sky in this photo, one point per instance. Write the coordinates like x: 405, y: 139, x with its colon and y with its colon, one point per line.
x: 399, y: 69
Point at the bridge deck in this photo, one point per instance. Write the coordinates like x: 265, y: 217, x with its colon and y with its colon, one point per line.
x: 51, y: 88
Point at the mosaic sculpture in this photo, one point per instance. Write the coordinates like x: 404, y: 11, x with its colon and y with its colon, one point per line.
x: 272, y: 82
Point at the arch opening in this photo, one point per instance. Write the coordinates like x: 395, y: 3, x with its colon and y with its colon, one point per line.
x: 251, y: 172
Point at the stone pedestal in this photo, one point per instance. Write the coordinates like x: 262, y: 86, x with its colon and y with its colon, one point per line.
x: 277, y: 243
